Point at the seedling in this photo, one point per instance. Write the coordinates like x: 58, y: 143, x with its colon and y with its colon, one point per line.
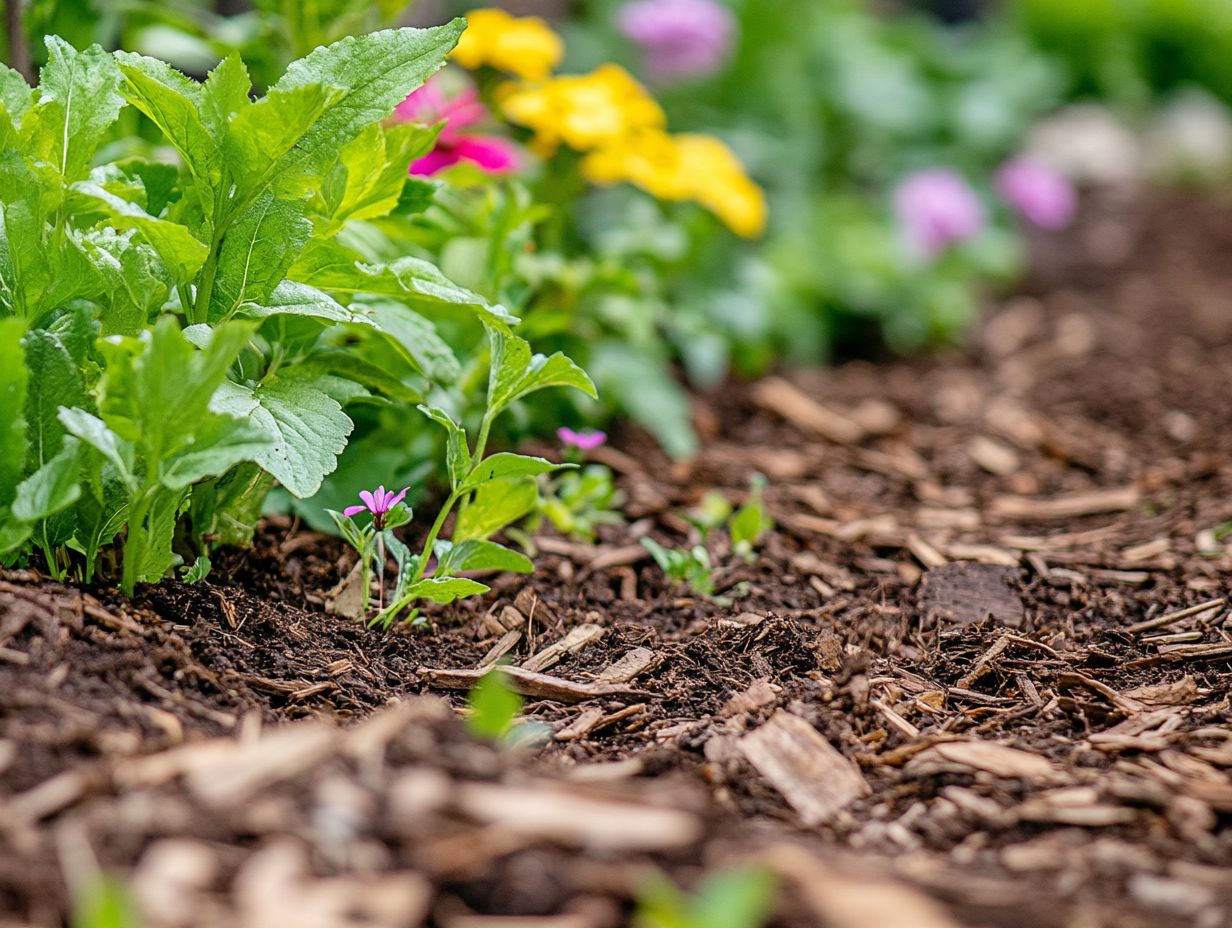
x: 742, y: 898
x: 578, y: 502
x: 494, y: 707
x: 371, y: 540
x: 690, y: 566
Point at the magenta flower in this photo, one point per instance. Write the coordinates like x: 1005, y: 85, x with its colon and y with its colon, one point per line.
x: 1042, y: 195
x: 429, y: 105
x: 586, y: 440
x: 378, y: 503
x: 681, y: 39
x: 936, y: 209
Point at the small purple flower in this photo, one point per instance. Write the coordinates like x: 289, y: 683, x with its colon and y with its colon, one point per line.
x: 1042, y: 195
x: 681, y: 39
x: 378, y: 503
x: 586, y: 440
x: 936, y: 209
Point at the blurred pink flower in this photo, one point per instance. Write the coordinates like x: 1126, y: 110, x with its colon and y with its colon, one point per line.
x: 586, y: 440
x: 936, y: 209
x: 377, y: 502
x: 680, y: 38
x: 430, y: 105
x: 1042, y: 195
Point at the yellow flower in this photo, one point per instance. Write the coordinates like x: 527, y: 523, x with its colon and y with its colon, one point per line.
x: 684, y: 167
x: 525, y: 47
x: 586, y: 111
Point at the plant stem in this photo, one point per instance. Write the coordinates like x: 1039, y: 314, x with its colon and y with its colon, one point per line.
x: 380, y: 569
x: 426, y: 553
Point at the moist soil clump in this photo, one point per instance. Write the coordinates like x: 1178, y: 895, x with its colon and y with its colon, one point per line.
x: 978, y: 675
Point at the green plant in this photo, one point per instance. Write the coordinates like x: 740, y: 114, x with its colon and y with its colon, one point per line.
x: 739, y: 898
x: 577, y: 503
x: 691, y: 566
x: 494, y: 707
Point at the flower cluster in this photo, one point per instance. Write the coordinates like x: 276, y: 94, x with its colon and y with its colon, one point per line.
x: 610, y: 118
x: 681, y: 39
x: 459, y: 112
x: 525, y: 47
x: 938, y: 209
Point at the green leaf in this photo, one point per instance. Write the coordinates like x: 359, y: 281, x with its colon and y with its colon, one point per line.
x: 415, y: 337
x: 495, y: 505
x: 644, y: 388
x: 477, y: 554
x: 331, y: 266
x: 735, y: 899
x: 515, y: 372
x: 444, y: 591
x: 173, y: 102
x: 13, y: 382
x: 136, y: 283
x: 290, y: 298
x: 53, y: 487
x: 507, y: 466
x: 457, y: 452
x: 494, y: 707
x: 199, y: 570
x: 307, y: 430
x: 84, y: 85
x: 94, y: 432
x: 371, y: 173
x: 225, y: 94
x: 105, y: 903
x: 55, y: 381
x: 258, y: 249
x: 15, y: 94
x: 179, y: 250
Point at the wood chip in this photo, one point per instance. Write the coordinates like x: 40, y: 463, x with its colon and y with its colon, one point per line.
x: 787, y: 400
x: 552, y: 813
x: 506, y: 643
x: 996, y: 759
x: 815, y: 779
x: 968, y: 593
x: 1026, y: 509
x: 576, y: 639
x: 1172, y: 618
x: 528, y: 683
x: 628, y: 667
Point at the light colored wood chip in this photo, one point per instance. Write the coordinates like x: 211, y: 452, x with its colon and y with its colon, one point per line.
x: 549, y: 812
x: 629, y: 667
x: 575, y: 639
x: 1027, y: 509
x: 993, y: 456
x: 1078, y: 805
x: 506, y: 643
x: 1172, y: 618
x: 776, y: 395
x: 925, y: 553
x: 582, y: 725
x: 987, y: 757
x: 528, y: 683
x: 982, y: 554
x: 760, y: 693
x: 815, y: 779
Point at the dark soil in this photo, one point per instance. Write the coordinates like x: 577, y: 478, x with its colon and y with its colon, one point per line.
x: 969, y: 594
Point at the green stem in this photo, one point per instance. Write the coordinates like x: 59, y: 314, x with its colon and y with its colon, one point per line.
x: 481, y: 444
x: 426, y: 553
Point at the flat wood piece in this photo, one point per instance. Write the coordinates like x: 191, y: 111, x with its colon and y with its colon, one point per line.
x: 797, y: 407
x: 503, y: 646
x: 967, y: 593
x: 528, y: 683
x: 576, y: 639
x: 1004, y: 762
x: 815, y: 779
x: 628, y: 667
x: 1095, y: 502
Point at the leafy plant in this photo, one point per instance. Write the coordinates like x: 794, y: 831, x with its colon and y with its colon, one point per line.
x: 740, y: 898
x: 577, y: 503
x: 494, y: 707
x: 691, y: 565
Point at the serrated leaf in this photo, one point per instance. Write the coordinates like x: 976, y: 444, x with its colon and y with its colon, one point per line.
x: 479, y: 554
x: 136, y: 281
x: 331, y: 266
x: 457, y: 452
x: 179, y: 250
x: 508, y: 466
x: 13, y: 384
x: 495, y: 505
x: 85, y: 86
x: 55, y: 381
x: 444, y: 590
x: 53, y: 487
x: 368, y: 180
x: 307, y: 430
x: 224, y: 94
x: 257, y: 251
x: 291, y: 298
x: 516, y: 372
x: 15, y: 94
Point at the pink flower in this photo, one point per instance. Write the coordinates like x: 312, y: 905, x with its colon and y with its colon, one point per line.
x: 430, y: 105
x: 586, y: 440
x: 1044, y: 196
x: 936, y: 209
x: 378, y: 503
x: 680, y: 38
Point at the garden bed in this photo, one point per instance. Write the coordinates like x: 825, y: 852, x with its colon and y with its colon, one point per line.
x: 1037, y: 738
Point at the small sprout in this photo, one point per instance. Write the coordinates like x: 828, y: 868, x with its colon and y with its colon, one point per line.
x: 578, y: 502
x: 742, y: 898
x: 494, y: 707
x: 751, y: 523
x: 690, y: 566
x: 711, y: 513
x: 199, y: 570
x: 379, y: 502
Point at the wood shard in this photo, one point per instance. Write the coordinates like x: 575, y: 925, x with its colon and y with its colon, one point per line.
x: 628, y: 667
x: 968, y: 593
x: 815, y: 779
x: 787, y: 400
x: 576, y: 639
x: 528, y: 683
x: 996, y: 759
x: 1027, y: 509
x: 550, y: 812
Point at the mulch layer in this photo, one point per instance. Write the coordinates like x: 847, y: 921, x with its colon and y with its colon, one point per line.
x: 979, y: 675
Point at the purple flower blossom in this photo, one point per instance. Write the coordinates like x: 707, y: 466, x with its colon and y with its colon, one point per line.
x: 681, y: 39
x: 378, y: 503
x: 1044, y: 196
x: 586, y: 440
x: 936, y: 209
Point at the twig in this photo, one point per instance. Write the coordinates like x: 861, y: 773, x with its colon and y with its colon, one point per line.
x: 1172, y: 617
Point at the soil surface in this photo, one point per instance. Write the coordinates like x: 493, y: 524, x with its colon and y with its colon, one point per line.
x: 978, y: 675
